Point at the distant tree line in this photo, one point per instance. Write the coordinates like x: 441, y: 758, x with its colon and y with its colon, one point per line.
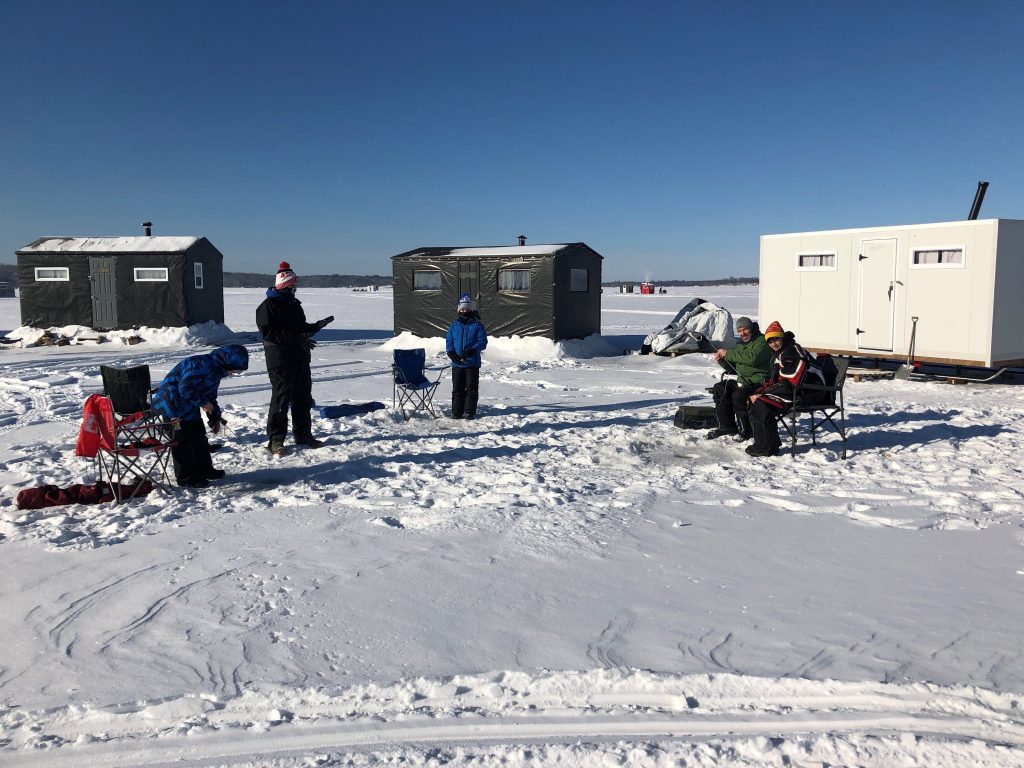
x: 689, y: 283
x: 256, y: 280
x: 9, y: 274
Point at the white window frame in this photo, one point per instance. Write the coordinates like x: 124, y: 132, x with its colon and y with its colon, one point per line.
x: 65, y: 279
x: 586, y: 280
x: 150, y: 279
x: 916, y: 250
x: 514, y: 290
x: 826, y: 268
x: 427, y: 290
x: 197, y: 275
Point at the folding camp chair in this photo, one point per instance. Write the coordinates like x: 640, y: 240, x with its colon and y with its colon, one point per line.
x: 135, y: 441
x: 824, y: 399
x: 411, y: 385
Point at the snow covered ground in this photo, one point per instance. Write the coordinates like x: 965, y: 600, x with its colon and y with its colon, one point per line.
x: 567, y: 580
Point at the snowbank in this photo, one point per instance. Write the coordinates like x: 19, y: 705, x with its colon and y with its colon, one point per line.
x: 203, y: 334
x: 516, y: 347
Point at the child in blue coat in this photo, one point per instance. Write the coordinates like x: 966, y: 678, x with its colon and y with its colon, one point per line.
x: 189, y: 388
x: 465, y: 341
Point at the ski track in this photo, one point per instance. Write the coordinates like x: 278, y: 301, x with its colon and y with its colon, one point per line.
x: 777, y: 722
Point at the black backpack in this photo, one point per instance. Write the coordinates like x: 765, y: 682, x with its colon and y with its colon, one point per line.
x: 828, y: 369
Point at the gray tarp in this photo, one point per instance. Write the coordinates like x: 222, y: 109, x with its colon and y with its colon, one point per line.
x: 699, y: 326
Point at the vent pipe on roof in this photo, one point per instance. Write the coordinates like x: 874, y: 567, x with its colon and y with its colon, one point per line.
x: 979, y: 197
x: 522, y: 239
x: 148, y: 226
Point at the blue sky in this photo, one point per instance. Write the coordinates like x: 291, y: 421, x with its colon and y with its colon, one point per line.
x: 667, y: 136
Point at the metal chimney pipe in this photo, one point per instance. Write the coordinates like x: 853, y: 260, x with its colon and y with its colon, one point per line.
x: 148, y: 226
x: 979, y: 197
x: 522, y: 239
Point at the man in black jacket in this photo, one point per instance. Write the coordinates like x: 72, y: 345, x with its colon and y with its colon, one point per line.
x: 287, y: 340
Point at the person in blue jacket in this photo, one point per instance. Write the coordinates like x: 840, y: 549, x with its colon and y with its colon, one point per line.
x: 189, y: 388
x: 465, y: 341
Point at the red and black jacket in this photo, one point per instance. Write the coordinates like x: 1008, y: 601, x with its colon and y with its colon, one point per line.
x: 790, y: 366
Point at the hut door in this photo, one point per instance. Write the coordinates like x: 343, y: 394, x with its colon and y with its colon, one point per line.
x: 104, y: 299
x: 469, y: 279
x: 877, y: 263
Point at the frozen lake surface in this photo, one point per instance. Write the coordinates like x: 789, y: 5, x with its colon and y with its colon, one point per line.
x: 566, y: 580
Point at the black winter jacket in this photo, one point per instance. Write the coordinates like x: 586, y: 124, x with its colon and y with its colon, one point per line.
x: 283, y: 325
x: 791, y: 365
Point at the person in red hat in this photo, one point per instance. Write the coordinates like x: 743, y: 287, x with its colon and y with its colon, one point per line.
x: 791, y: 363
x: 287, y: 340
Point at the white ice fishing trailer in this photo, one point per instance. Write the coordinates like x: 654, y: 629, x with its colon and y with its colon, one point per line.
x: 861, y: 292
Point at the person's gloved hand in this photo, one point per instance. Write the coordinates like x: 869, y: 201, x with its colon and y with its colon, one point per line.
x: 216, y: 420
x: 309, y: 343
x: 454, y: 358
x: 325, y: 322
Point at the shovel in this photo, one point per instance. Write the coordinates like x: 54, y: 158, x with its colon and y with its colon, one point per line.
x: 904, y: 371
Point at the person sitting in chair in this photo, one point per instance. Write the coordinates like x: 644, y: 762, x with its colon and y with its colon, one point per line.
x: 465, y: 340
x: 791, y: 364
x: 751, y: 361
x: 188, y: 388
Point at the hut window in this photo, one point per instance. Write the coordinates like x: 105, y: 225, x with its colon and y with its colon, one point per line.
x: 579, y: 280
x: 52, y: 274
x: 514, y: 280
x: 816, y: 261
x: 426, y: 280
x: 150, y: 274
x: 197, y: 270
x: 939, y: 257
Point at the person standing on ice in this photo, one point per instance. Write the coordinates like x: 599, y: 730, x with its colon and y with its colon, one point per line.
x: 188, y: 388
x: 287, y: 340
x: 791, y: 364
x: 466, y: 339
x: 751, y: 361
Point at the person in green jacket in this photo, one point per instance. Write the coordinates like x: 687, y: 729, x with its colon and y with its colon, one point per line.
x: 751, y: 361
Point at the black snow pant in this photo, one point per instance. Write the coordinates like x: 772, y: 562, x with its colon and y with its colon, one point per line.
x: 291, y: 386
x: 465, y: 392
x: 191, y: 453
x: 731, y: 402
x: 764, y: 418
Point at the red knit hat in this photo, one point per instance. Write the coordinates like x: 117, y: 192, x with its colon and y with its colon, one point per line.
x: 285, y: 277
x: 774, y: 331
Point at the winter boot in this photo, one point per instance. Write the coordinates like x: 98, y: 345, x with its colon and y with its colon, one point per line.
x: 310, y: 442
x: 276, y: 448
x: 719, y: 432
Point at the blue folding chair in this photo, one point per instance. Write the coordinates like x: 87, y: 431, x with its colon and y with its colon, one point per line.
x: 412, y: 387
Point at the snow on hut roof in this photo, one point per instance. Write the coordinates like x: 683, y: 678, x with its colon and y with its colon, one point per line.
x: 509, y: 250
x: 110, y: 245
x: 498, y: 250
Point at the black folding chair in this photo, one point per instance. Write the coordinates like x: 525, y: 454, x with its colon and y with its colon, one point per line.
x: 141, y: 438
x: 412, y: 387
x: 823, y: 399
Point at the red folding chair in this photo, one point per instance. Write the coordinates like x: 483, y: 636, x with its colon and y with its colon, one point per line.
x: 131, y: 444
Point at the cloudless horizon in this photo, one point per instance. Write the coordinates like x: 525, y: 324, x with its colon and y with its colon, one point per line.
x: 667, y: 136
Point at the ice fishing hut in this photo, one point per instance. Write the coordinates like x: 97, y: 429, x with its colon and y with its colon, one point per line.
x: 537, y: 290
x: 120, y: 282
x: 857, y: 291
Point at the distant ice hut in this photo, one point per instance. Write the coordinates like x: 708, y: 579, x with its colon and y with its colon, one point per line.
x: 537, y: 290
x: 120, y: 282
